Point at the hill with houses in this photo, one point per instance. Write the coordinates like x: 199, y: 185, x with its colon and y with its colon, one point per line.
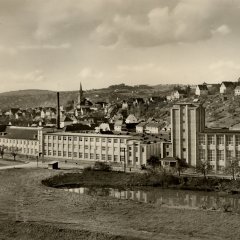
x: 222, y: 101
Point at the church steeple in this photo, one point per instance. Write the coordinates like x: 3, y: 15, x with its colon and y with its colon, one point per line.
x: 80, y: 94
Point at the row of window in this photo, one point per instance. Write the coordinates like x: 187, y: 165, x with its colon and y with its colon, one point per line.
x: 211, y: 154
x: 220, y: 140
x: 85, y: 139
x: 92, y: 156
x: 14, y: 141
x: 103, y: 148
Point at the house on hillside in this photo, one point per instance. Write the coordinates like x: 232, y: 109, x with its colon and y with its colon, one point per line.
x: 140, y: 128
x: 201, y: 90
x: 237, y: 91
x: 179, y: 94
x: 227, y: 87
x: 153, y: 128
x: 131, y: 119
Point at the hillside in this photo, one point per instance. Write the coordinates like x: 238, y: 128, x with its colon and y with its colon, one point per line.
x: 43, y: 98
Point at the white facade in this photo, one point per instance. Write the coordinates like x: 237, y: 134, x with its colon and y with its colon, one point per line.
x: 99, y: 147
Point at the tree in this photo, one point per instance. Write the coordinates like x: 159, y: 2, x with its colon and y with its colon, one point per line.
x: 203, y: 167
x: 232, y: 167
x: 14, y: 152
x: 2, y: 150
x: 153, y: 161
x: 181, y: 166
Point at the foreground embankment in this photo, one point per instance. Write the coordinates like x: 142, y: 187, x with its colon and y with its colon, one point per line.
x: 31, y: 210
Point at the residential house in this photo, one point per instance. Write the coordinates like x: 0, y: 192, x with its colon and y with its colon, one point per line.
x: 237, y: 91
x: 131, y: 119
x: 178, y: 94
x: 140, y: 128
x: 153, y: 128
x: 227, y: 87
x: 201, y: 90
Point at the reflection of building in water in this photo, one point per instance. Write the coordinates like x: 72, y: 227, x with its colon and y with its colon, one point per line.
x: 170, y: 198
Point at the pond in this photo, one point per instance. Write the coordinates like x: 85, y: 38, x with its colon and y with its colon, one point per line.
x: 166, y: 197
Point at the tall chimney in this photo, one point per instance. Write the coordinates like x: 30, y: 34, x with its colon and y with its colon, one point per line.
x: 58, y: 111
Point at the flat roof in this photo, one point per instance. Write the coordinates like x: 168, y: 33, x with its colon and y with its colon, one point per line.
x: 87, y: 134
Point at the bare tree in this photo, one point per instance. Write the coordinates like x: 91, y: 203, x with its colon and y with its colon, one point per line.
x: 232, y: 167
x: 153, y: 161
x: 14, y: 152
x: 203, y: 167
x: 2, y: 151
x: 181, y: 166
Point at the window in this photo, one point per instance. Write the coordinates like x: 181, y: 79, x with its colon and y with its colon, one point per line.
x: 211, y: 155
x: 238, y: 155
x: 121, y: 140
x: 91, y: 156
x: 54, y: 137
x: 85, y: 147
x: 229, y: 140
x: 49, y: 144
x: 49, y: 137
x: 229, y: 154
x: 69, y: 146
x: 211, y: 140
x: 49, y: 152
x: 103, y: 148
x: 97, y: 139
x: 103, y: 140
x: 220, y: 155
x: 80, y: 155
x: 80, y: 139
x: 69, y: 154
x: 74, y: 138
x: 91, y: 139
x: 142, y: 149
x: 130, y: 154
x: 136, y: 159
x: 64, y: 138
x: 85, y: 155
x: 115, y: 140
x: 59, y: 138
x: 54, y: 144
x: 109, y: 157
x: 220, y: 140
x: 54, y: 153
x: 109, y: 140
x: 202, y: 140
x: 64, y: 153
x: 130, y: 148
x: 103, y: 157
x: 184, y: 149
x: 86, y: 139
x: 69, y: 138
x: 115, y: 158
x: 237, y: 140
x: 59, y: 153
x: 115, y: 149
x: 97, y: 156
x: 75, y: 154
x: 122, y: 149
x: 122, y: 158
x: 45, y: 144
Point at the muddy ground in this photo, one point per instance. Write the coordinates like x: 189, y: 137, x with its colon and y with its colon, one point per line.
x: 29, y: 210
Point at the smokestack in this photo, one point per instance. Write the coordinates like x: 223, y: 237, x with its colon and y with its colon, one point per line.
x: 58, y: 111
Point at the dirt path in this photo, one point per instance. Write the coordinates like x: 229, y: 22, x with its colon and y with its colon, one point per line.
x: 29, y: 210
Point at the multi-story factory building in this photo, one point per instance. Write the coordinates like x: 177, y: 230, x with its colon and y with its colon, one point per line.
x: 22, y: 140
x: 192, y: 141
x: 99, y: 147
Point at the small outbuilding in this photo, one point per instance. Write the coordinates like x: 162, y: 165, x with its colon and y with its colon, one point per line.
x: 53, y: 165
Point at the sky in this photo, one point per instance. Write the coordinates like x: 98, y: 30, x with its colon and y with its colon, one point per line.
x: 56, y: 44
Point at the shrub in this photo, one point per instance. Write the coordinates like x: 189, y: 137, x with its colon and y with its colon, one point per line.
x: 102, y: 166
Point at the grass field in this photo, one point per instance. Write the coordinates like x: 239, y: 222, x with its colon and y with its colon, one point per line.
x: 30, y: 210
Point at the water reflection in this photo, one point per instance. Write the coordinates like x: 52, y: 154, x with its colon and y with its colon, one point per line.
x: 172, y: 198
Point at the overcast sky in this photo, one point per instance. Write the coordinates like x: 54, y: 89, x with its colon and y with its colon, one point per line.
x: 55, y: 44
